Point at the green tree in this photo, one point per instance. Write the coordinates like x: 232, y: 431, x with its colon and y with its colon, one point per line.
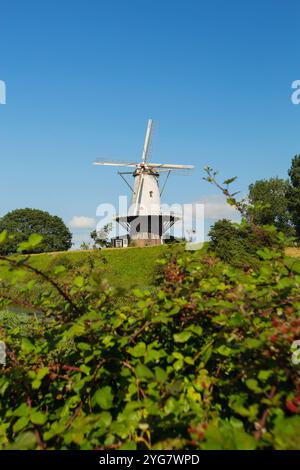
x: 21, y: 223
x: 101, y: 237
x: 269, y: 205
x: 234, y: 243
x: 293, y: 193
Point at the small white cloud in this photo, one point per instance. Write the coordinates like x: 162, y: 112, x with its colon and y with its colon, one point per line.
x: 216, y: 207
x: 80, y: 221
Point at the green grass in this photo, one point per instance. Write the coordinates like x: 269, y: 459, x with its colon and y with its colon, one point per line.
x: 122, y: 269
x: 125, y: 268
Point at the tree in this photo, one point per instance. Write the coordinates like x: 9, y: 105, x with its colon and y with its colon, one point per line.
x: 269, y: 205
x: 101, y: 237
x: 21, y: 223
x: 84, y: 246
x: 293, y: 193
x: 234, y: 243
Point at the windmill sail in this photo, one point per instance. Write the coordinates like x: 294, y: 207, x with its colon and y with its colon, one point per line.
x: 115, y: 163
x: 147, y: 139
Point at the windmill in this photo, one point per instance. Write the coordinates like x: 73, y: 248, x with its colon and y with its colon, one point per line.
x: 145, y: 221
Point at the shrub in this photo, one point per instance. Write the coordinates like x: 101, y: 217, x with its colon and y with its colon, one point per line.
x: 203, y: 362
x: 238, y: 244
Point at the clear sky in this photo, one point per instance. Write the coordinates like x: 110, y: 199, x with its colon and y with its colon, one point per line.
x: 83, y: 77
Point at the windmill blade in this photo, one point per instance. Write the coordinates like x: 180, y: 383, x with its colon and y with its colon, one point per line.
x: 146, y: 144
x: 170, y: 166
x: 115, y: 163
x: 152, y: 139
x: 184, y: 172
x: 175, y: 171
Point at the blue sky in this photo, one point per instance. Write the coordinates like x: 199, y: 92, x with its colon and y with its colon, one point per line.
x: 83, y: 77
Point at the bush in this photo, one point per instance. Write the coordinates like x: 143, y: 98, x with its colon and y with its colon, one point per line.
x: 238, y: 244
x: 204, y: 362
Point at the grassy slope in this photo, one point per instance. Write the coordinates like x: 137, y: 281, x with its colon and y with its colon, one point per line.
x: 126, y: 268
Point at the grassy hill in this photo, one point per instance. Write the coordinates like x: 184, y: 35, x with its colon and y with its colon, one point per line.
x: 124, y: 268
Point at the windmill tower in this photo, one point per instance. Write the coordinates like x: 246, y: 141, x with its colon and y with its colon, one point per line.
x: 145, y: 221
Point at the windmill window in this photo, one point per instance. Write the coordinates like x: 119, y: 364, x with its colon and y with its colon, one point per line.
x: 151, y: 193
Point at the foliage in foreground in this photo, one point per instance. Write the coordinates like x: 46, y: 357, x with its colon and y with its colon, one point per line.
x: 204, y: 363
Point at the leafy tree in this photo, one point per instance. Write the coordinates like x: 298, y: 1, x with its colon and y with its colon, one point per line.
x: 21, y: 223
x: 84, y: 246
x: 293, y: 193
x: 269, y: 205
x: 237, y: 244
x: 101, y: 237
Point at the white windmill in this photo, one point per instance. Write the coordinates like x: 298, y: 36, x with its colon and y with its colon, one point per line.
x: 145, y: 221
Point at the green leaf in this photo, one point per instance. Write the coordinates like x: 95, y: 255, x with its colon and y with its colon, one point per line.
x: 264, y: 375
x: 224, y: 350
x: 36, y: 384
x: 251, y: 343
x: 143, y: 371
x: 38, y: 418
x: 59, y: 270
x: 170, y: 405
x: 85, y: 369
x: 252, y: 384
x: 103, y: 398
x: 22, y: 410
x: 182, y: 337
x: 42, y: 373
x: 196, y: 329
x: 230, y: 180
x: 226, y: 436
x: 84, y: 346
x: 20, y: 423
x: 24, y: 441
x: 178, y: 365
x: 105, y: 419
x: 160, y: 375
x: 287, y: 433
x: 231, y: 201
x: 129, y: 445
x: 26, y: 346
x: 33, y: 241
x: 79, y: 281
x: 189, y: 360
x: 138, y: 351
